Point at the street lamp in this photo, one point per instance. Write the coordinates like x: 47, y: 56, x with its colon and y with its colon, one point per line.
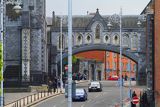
x: 69, y: 53
x: 118, y: 19
x: 17, y: 8
x: 61, y: 54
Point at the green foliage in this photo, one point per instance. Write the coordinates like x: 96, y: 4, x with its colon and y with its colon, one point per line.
x: 74, y: 60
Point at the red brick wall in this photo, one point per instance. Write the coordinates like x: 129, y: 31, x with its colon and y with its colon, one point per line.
x: 157, y: 52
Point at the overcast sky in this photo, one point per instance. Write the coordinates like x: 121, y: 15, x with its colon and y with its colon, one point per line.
x: 106, y: 7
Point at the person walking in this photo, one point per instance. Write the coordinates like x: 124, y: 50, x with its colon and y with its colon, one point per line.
x: 49, y: 86
x: 54, y: 84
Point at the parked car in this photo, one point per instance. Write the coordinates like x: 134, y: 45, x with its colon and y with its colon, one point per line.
x: 80, y: 95
x: 113, y: 77
x: 95, y: 86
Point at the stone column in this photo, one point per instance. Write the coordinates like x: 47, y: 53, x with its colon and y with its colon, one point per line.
x: 25, y: 55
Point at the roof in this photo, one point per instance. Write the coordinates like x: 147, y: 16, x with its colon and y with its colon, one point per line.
x: 85, y: 21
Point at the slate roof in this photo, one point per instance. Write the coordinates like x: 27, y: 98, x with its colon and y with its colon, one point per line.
x: 82, y: 21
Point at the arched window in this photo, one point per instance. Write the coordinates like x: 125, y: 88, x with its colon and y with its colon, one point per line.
x: 116, y: 40
x: 62, y: 42
x: 88, y: 38
x: 125, y: 40
x: 79, y: 39
x: 134, y: 41
x: 97, y: 32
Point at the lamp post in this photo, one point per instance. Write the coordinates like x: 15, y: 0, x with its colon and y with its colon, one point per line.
x: 121, y: 81
x: 61, y: 54
x: 17, y: 9
x: 69, y: 53
x: 120, y: 67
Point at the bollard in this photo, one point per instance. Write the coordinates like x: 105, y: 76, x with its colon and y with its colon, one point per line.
x: 24, y: 102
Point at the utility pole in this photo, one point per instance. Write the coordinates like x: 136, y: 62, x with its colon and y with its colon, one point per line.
x: 69, y: 53
x: 121, y: 79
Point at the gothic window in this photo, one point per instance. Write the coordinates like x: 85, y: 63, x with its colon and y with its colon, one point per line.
x: 62, y: 42
x: 135, y: 42
x: 106, y: 38
x: 88, y: 38
x: 97, y: 32
x: 79, y: 39
x: 116, y: 40
x: 125, y: 40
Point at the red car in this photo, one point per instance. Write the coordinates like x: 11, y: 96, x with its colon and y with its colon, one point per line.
x: 113, y: 77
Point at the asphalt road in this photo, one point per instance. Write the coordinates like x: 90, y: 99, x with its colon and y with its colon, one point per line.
x: 109, y: 97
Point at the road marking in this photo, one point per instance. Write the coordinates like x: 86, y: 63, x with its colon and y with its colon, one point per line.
x: 54, y: 106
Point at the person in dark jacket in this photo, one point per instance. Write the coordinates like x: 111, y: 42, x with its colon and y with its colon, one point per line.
x: 133, y: 94
x: 54, y: 84
x: 49, y: 86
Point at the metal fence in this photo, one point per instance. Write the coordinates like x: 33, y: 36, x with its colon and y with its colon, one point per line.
x: 31, y: 99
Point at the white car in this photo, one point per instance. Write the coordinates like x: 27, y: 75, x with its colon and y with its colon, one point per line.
x: 95, y: 86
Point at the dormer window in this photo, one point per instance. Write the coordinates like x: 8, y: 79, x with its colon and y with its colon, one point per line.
x: 97, y: 32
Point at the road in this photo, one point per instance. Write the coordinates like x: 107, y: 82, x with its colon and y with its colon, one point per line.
x: 109, y: 97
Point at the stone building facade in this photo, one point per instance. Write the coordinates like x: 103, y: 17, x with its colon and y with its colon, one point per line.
x: 94, y: 31
x: 25, y: 43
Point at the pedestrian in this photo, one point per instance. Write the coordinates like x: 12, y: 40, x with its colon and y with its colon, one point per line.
x: 133, y: 95
x: 125, y: 77
x: 54, y: 85
x: 49, y: 86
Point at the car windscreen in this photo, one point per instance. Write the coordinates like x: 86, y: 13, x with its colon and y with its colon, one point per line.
x: 79, y: 91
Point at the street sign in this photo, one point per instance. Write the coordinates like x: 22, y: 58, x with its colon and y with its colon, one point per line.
x: 66, y: 67
x: 135, y: 100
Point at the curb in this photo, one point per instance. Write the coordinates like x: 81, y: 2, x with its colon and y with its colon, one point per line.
x: 45, y: 98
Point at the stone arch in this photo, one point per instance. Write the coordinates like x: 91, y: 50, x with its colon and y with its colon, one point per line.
x: 103, y: 47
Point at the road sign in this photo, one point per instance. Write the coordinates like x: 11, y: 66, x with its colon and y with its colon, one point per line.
x: 135, y: 100
x: 66, y: 67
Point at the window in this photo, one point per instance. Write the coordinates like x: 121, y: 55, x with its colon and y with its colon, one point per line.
x: 97, y: 33
x: 60, y: 42
x: 134, y: 42
x: 107, y: 53
x: 106, y: 38
x: 125, y: 40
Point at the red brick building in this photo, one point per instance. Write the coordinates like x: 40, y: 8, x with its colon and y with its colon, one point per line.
x: 111, y: 62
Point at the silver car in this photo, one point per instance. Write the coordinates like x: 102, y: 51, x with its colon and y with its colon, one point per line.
x: 95, y: 86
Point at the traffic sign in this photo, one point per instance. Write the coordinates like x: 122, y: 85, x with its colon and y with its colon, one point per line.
x: 135, y: 100
x: 66, y: 67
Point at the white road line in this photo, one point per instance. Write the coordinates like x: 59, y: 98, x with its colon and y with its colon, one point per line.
x: 54, y: 106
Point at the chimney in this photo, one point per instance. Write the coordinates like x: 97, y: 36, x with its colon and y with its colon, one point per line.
x: 53, y: 18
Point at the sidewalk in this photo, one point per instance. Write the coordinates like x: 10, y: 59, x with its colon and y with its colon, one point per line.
x: 137, y: 89
x: 13, y: 97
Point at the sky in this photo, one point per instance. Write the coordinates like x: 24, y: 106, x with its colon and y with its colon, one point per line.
x: 106, y: 7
